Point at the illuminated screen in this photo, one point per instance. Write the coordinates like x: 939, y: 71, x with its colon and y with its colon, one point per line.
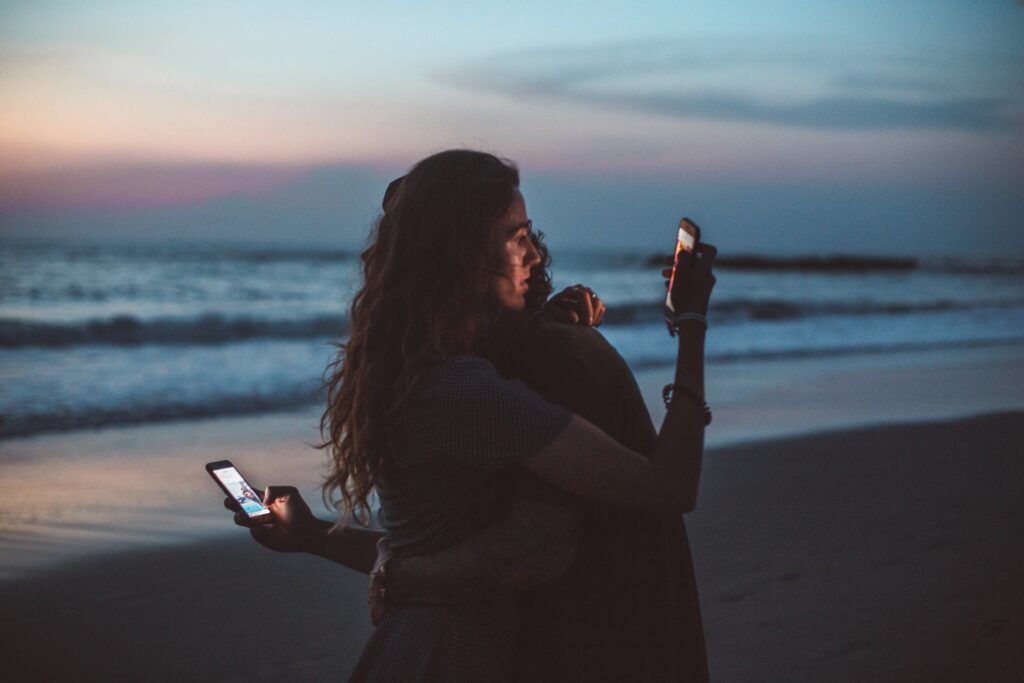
x: 239, y: 489
x: 684, y: 242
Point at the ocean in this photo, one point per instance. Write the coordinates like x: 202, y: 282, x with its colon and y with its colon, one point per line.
x: 95, y: 335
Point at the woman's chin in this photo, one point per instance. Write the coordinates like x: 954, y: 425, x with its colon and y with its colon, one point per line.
x: 514, y: 303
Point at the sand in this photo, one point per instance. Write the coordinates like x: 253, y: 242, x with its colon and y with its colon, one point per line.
x: 877, y: 554
x: 887, y: 554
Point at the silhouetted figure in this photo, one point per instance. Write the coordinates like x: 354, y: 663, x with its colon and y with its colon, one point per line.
x: 628, y: 607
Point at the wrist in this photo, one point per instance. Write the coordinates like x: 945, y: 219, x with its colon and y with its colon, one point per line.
x: 692, y: 325
x: 318, y: 537
x: 671, y: 393
x: 387, y: 569
x: 689, y: 335
x: 396, y: 581
x: 388, y: 580
x: 686, y: 320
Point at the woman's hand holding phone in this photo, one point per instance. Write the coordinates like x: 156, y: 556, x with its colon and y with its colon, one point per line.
x: 691, y: 289
x: 293, y: 528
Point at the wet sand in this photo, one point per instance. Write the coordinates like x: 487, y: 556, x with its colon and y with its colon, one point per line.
x: 87, y: 493
x: 876, y: 554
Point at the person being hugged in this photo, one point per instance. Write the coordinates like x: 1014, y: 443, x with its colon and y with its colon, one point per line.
x: 418, y: 414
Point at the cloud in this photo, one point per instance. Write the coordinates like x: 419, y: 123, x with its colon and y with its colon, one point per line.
x: 876, y: 82
x: 845, y: 113
x: 825, y: 88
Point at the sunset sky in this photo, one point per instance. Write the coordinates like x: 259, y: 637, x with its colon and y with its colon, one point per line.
x: 787, y: 127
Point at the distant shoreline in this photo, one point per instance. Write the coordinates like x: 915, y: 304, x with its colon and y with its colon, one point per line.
x: 831, y: 264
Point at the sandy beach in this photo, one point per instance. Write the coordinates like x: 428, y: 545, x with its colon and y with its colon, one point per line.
x: 219, y: 220
x: 881, y: 554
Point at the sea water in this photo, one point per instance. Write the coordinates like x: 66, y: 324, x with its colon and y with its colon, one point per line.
x: 150, y: 349
x: 94, y: 335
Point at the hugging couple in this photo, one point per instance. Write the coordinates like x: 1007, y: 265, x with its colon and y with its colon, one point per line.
x: 531, y: 515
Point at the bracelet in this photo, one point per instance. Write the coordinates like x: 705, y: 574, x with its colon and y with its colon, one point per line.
x: 669, y: 392
x: 673, y: 323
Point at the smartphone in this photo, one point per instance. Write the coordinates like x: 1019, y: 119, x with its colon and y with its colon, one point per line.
x: 686, y: 241
x: 235, y: 485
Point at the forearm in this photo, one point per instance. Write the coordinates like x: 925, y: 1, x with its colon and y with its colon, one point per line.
x: 586, y: 461
x: 535, y: 542
x: 668, y: 481
x: 353, y: 547
x: 679, y: 450
x: 690, y: 357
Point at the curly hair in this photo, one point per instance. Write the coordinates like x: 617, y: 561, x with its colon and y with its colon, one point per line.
x: 426, y: 295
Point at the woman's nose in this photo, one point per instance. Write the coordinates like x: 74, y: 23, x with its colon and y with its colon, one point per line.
x: 532, y: 257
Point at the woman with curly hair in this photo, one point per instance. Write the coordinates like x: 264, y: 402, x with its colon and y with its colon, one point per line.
x: 418, y: 415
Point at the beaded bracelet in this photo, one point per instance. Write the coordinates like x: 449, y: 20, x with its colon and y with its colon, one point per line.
x: 673, y: 324
x: 670, y: 390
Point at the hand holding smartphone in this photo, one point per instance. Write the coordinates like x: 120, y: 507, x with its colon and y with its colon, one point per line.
x: 686, y: 245
x: 237, y: 488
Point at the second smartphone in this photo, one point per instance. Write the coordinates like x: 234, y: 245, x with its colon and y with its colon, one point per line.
x: 235, y: 485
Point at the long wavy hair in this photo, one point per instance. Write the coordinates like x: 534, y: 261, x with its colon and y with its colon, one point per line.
x: 426, y: 295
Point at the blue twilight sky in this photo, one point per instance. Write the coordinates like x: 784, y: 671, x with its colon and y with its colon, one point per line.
x: 783, y: 127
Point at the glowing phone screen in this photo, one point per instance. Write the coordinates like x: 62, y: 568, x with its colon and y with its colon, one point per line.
x: 240, y: 490
x: 685, y: 241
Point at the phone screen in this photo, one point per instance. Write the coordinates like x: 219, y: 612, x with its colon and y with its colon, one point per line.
x: 239, y: 489
x: 686, y: 241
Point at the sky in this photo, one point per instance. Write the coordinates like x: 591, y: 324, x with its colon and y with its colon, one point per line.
x: 781, y: 127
